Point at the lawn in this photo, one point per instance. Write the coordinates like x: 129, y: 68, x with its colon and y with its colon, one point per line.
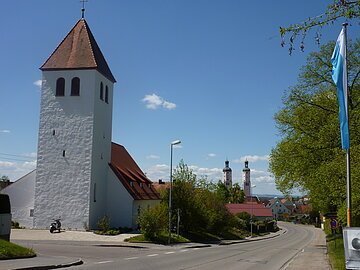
x: 10, y: 250
x: 335, y: 246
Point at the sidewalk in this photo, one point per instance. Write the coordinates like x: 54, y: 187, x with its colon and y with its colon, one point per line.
x: 312, y: 257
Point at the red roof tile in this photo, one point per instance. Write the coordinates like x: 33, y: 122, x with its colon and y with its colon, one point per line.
x: 130, y: 175
x: 256, y: 209
x: 78, y: 50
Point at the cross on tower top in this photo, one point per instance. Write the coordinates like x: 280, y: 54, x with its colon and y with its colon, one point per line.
x: 83, y: 8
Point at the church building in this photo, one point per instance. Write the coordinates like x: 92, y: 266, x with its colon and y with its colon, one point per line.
x: 81, y: 175
x: 247, y: 182
x: 227, y: 175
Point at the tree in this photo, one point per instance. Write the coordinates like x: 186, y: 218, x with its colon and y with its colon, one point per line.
x: 153, y: 221
x: 4, y: 178
x: 229, y: 195
x: 309, y: 155
x: 340, y: 9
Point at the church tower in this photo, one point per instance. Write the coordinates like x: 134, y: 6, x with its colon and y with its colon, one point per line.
x: 74, y: 145
x: 227, y: 175
x: 247, y: 182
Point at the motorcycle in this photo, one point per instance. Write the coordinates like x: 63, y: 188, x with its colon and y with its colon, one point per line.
x: 55, y: 226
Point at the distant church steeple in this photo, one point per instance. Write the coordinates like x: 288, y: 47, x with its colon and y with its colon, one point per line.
x: 227, y: 175
x: 247, y: 182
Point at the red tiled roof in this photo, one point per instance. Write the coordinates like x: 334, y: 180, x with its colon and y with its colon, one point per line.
x: 78, y: 50
x: 256, y: 209
x: 130, y: 175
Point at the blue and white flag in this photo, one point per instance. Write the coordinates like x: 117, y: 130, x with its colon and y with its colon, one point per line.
x: 339, y: 75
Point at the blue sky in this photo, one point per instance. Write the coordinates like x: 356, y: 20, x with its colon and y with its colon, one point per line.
x: 211, y: 73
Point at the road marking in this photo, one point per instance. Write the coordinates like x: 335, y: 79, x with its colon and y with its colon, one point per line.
x: 152, y: 255
x: 196, y: 248
x: 170, y: 252
x: 104, y: 262
x: 131, y: 258
x: 183, y: 250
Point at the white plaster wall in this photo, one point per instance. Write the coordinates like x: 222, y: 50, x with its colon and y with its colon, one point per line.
x: 247, y: 179
x: 101, y: 150
x: 21, y: 194
x: 62, y: 186
x: 228, y: 178
x: 119, y: 203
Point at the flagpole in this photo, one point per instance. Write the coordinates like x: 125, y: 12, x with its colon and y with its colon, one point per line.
x: 348, y: 178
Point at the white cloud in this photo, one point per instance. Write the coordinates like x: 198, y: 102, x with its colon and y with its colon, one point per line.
x: 6, y: 164
x: 253, y: 158
x: 15, y: 170
x: 152, y: 157
x: 211, y: 155
x: 154, y: 102
x: 4, y: 131
x: 38, y: 83
x: 159, y: 171
x: 169, y: 105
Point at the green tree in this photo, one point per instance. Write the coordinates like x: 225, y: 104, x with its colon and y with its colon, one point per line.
x: 230, y: 195
x: 309, y: 155
x: 237, y: 195
x: 153, y: 221
x: 350, y: 10
x: 4, y: 178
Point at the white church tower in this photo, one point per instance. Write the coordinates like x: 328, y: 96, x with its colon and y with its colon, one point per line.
x: 247, y: 182
x: 74, y: 146
x: 227, y: 175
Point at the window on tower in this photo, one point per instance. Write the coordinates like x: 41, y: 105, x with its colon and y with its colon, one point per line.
x: 106, y: 94
x: 75, y: 86
x: 101, y: 91
x: 60, y: 87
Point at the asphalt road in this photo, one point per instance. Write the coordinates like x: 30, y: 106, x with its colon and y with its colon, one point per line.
x: 266, y: 254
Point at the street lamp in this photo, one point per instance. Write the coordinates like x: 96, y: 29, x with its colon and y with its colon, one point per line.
x: 170, y: 191
x: 251, y: 218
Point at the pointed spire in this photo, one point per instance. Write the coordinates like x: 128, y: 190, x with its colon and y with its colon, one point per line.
x: 78, y: 50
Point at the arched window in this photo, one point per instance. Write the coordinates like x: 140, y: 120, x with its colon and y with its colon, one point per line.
x: 101, y: 91
x: 60, y: 87
x: 106, y: 94
x: 75, y: 86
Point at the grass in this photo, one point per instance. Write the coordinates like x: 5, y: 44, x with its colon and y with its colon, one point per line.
x: 160, y: 239
x: 335, y: 246
x: 200, y: 237
x: 10, y: 250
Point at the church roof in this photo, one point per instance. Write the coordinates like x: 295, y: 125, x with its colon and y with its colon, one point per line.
x: 130, y: 175
x: 78, y: 50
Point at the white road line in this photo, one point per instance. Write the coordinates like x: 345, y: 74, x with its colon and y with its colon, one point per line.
x: 170, y: 252
x: 196, y: 248
x: 104, y: 262
x: 183, y: 250
x: 152, y: 255
x: 131, y: 258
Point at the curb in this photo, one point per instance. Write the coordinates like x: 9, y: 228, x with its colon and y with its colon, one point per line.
x: 54, y: 266
x: 251, y: 239
x: 198, y: 246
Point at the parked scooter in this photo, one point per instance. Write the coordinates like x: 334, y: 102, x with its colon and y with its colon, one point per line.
x: 55, y: 226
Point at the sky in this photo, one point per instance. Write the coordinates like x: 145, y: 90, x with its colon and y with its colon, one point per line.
x: 210, y: 73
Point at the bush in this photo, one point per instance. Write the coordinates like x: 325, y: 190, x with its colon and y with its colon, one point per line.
x: 153, y: 221
x: 104, y: 223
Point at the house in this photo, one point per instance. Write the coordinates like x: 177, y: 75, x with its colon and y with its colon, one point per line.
x: 257, y: 210
x: 81, y: 175
x: 278, y: 209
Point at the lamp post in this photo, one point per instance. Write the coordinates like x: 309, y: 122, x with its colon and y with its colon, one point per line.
x: 170, y: 190
x: 251, y: 218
